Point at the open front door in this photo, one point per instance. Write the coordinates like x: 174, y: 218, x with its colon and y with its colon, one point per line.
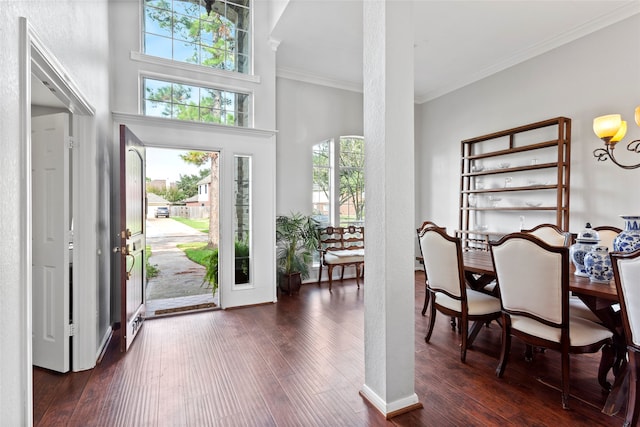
x: 50, y: 180
x: 132, y: 236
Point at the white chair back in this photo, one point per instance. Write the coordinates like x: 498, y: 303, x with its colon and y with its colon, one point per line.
x: 441, y: 258
x: 530, y: 277
x: 628, y: 281
x: 607, y: 237
x: 551, y: 236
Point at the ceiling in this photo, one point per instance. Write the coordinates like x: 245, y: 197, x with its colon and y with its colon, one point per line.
x: 455, y: 42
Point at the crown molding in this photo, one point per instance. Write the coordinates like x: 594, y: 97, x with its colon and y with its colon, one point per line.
x: 303, y: 76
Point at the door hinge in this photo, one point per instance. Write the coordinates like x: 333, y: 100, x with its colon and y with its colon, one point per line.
x: 70, y: 142
x: 72, y: 330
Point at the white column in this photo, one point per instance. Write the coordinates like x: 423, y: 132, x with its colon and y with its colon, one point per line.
x: 389, y: 191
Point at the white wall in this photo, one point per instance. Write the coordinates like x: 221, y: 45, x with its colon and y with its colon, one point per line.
x: 76, y: 33
x: 596, y: 75
x: 306, y: 115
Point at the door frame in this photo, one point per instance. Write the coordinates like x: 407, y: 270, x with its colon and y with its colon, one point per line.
x: 228, y: 141
x: 36, y: 59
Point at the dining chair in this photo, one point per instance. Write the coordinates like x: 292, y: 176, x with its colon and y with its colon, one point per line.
x: 442, y: 255
x: 626, y: 275
x: 551, y: 234
x: 427, y: 224
x: 533, y: 277
x: 607, y: 235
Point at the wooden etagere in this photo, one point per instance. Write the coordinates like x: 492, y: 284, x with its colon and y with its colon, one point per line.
x: 499, y: 177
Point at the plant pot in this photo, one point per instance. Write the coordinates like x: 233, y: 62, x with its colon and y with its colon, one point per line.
x: 290, y: 283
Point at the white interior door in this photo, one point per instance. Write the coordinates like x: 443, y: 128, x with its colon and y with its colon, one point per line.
x: 51, y: 268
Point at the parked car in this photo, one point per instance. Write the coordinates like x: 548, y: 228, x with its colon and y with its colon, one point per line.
x: 162, y: 211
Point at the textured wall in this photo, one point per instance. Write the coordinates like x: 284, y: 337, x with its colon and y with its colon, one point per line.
x: 76, y: 33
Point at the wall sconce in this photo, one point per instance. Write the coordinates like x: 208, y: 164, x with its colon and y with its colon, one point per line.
x: 611, y: 129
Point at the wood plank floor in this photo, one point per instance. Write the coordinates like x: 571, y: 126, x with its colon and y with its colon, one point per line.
x: 300, y: 363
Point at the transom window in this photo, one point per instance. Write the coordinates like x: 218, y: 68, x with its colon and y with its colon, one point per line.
x: 338, y: 181
x: 182, y: 30
x: 195, y: 103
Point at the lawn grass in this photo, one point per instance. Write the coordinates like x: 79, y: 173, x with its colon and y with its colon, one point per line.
x: 151, y: 269
x: 201, y: 224
x: 196, y: 252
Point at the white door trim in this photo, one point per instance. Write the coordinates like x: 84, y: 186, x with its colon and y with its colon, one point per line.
x: 37, y: 59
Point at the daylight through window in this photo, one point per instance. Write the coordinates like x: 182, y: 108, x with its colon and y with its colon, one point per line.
x: 338, y: 182
x: 195, y: 103
x: 182, y: 31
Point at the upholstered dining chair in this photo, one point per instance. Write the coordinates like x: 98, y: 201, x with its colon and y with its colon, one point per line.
x: 425, y: 225
x: 626, y: 274
x: 551, y: 234
x: 607, y: 235
x: 442, y: 255
x: 533, y: 277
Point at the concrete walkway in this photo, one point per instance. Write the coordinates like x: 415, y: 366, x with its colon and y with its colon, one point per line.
x: 178, y: 285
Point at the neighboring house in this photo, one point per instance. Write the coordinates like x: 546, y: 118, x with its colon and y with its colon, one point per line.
x: 193, y: 201
x: 204, y: 186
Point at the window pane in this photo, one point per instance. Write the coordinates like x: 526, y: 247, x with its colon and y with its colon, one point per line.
x: 157, y: 21
x: 190, y: 8
x: 158, y: 46
x: 209, y: 40
x: 242, y: 219
x: 185, y: 52
x: 189, y: 102
x: 351, y: 164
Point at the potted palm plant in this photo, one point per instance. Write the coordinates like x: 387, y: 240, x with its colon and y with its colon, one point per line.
x: 296, y: 239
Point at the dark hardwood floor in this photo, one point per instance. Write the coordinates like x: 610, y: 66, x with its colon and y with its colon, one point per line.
x: 300, y: 363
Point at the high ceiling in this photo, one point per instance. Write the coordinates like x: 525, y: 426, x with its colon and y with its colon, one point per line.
x: 456, y: 42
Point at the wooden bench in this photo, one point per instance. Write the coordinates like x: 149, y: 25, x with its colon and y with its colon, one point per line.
x: 341, y: 246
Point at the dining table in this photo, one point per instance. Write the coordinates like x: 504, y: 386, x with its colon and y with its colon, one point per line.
x: 600, y: 298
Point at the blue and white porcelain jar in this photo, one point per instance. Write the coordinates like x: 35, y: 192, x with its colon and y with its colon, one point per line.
x: 597, y: 263
x: 586, y: 240
x: 629, y: 239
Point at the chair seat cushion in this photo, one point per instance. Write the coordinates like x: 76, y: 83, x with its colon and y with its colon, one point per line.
x: 581, y: 331
x: 479, y: 303
x: 344, y: 256
x: 577, y: 308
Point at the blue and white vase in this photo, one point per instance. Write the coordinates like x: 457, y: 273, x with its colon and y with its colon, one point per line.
x: 597, y: 263
x: 587, y: 239
x: 629, y: 239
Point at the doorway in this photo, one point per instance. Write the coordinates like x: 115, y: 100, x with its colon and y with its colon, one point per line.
x: 179, y: 242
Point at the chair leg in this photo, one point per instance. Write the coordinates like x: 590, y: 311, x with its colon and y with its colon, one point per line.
x: 464, y: 326
x: 358, y: 275
x: 565, y: 380
x: 633, y: 398
x: 506, y: 346
x: 330, y: 271
x: 320, y: 275
x: 606, y: 362
x: 432, y: 320
x: 426, y: 299
x: 528, y: 353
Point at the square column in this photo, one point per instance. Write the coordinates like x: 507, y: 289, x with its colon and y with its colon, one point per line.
x: 389, y: 188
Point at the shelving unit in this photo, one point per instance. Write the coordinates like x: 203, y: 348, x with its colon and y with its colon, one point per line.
x: 508, y: 174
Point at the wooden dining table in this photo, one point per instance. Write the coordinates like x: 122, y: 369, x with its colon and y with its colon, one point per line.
x: 599, y: 297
